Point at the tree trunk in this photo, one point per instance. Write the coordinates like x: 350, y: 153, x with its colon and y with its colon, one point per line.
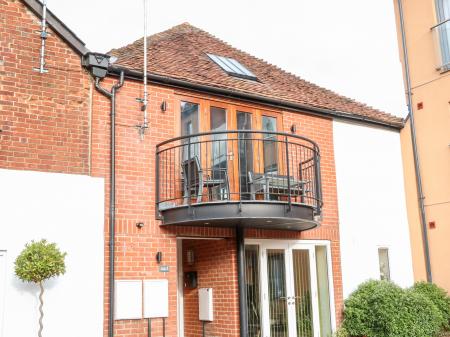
x: 41, y: 300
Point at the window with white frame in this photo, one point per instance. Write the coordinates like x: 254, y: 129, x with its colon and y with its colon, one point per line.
x: 383, y: 258
x: 443, y: 32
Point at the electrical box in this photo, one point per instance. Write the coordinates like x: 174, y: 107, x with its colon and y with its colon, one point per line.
x: 205, y: 303
x: 128, y: 299
x: 156, y: 298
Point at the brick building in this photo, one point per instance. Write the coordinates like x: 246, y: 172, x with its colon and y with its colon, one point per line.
x: 240, y: 178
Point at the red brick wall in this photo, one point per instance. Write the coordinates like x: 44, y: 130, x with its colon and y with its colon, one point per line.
x: 46, y: 126
x: 215, y: 263
x: 44, y: 117
x: 135, y: 176
x: 136, y: 248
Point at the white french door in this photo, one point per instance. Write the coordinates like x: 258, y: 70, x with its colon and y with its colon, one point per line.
x: 289, y: 296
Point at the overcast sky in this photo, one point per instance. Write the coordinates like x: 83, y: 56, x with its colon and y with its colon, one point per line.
x: 348, y: 46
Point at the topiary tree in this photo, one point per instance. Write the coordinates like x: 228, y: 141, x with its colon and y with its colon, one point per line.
x: 38, y: 262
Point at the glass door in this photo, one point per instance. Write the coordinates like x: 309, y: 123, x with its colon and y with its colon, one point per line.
x: 270, y: 149
x: 304, y: 299
x: 218, y: 173
x: 275, y: 290
x: 289, y: 290
x: 245, y: 149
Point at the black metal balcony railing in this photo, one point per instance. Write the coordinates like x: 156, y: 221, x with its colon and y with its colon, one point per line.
x: 240, y: 167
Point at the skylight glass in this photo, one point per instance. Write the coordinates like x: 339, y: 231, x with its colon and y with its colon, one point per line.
x: 232, y: 67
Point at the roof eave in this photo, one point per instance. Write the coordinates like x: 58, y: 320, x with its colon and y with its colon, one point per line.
x: 174, y: 82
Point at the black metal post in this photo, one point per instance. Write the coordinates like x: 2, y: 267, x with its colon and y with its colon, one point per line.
x: 241, y: 281
x: 288, y: 174
x: 188, y: 178
x: 149, y: 328
x: 157, y: 182
x: 300, y: 176
x: 318, y: 182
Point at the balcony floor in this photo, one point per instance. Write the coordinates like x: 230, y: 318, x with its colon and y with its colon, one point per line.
x: 249, y: 214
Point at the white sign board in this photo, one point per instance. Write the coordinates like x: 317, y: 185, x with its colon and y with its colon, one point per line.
x: 128, y: 299
x: 205, y: 304
x: 156, y: 298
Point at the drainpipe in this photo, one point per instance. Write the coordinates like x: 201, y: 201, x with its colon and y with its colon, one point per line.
x: 241, y: 281
x: 112, y: 194
x: 415, y: 152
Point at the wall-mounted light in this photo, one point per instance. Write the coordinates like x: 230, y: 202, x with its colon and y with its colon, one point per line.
x: 158, y: 257
x: 190, y: 258
x: 293, y: 128
x: 139, y: 225
x: 163, y: 106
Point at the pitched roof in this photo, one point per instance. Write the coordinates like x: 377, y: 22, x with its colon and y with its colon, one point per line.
x: 181, y: 53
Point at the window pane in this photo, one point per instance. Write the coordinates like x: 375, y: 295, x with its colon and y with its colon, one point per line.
x: 244, y: 122
x: 443, y: 13
x: 276, y: 278
x: 323, y: 288
x: 219, y: 61
x: 243, y: 70
x: 232, y: 66
x: 383, y: 256
x: 252, y: 283
x: 270, y: 145
x: 219, y: 144
x: 189, y: 126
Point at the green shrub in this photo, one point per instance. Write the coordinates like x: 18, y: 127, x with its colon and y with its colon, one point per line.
x: 368, y: 308
x: 417, y: 317
x: 383, y: 309
x: 439, y: 297
x: 341, y: 332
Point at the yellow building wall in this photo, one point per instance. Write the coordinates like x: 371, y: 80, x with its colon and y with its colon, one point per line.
x: 431, y: 89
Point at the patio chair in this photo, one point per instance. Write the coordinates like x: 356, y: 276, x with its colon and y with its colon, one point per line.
x: 195, y: 180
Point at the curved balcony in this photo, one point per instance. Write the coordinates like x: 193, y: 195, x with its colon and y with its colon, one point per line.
x: 249, y: 178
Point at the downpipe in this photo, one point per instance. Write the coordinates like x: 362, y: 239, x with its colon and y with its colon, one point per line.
x: 112, y: 193
x: 240, y: 248
x: 421, y: 197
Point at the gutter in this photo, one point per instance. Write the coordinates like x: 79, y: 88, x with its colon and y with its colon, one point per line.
x: 421, y: 196
x: 229, y: 93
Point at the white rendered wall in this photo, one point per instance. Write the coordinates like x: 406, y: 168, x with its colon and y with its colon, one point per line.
x: 68, y: 210
x: 372, y: 206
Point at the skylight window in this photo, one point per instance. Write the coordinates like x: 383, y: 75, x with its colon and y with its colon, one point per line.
x: 232, y: 67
